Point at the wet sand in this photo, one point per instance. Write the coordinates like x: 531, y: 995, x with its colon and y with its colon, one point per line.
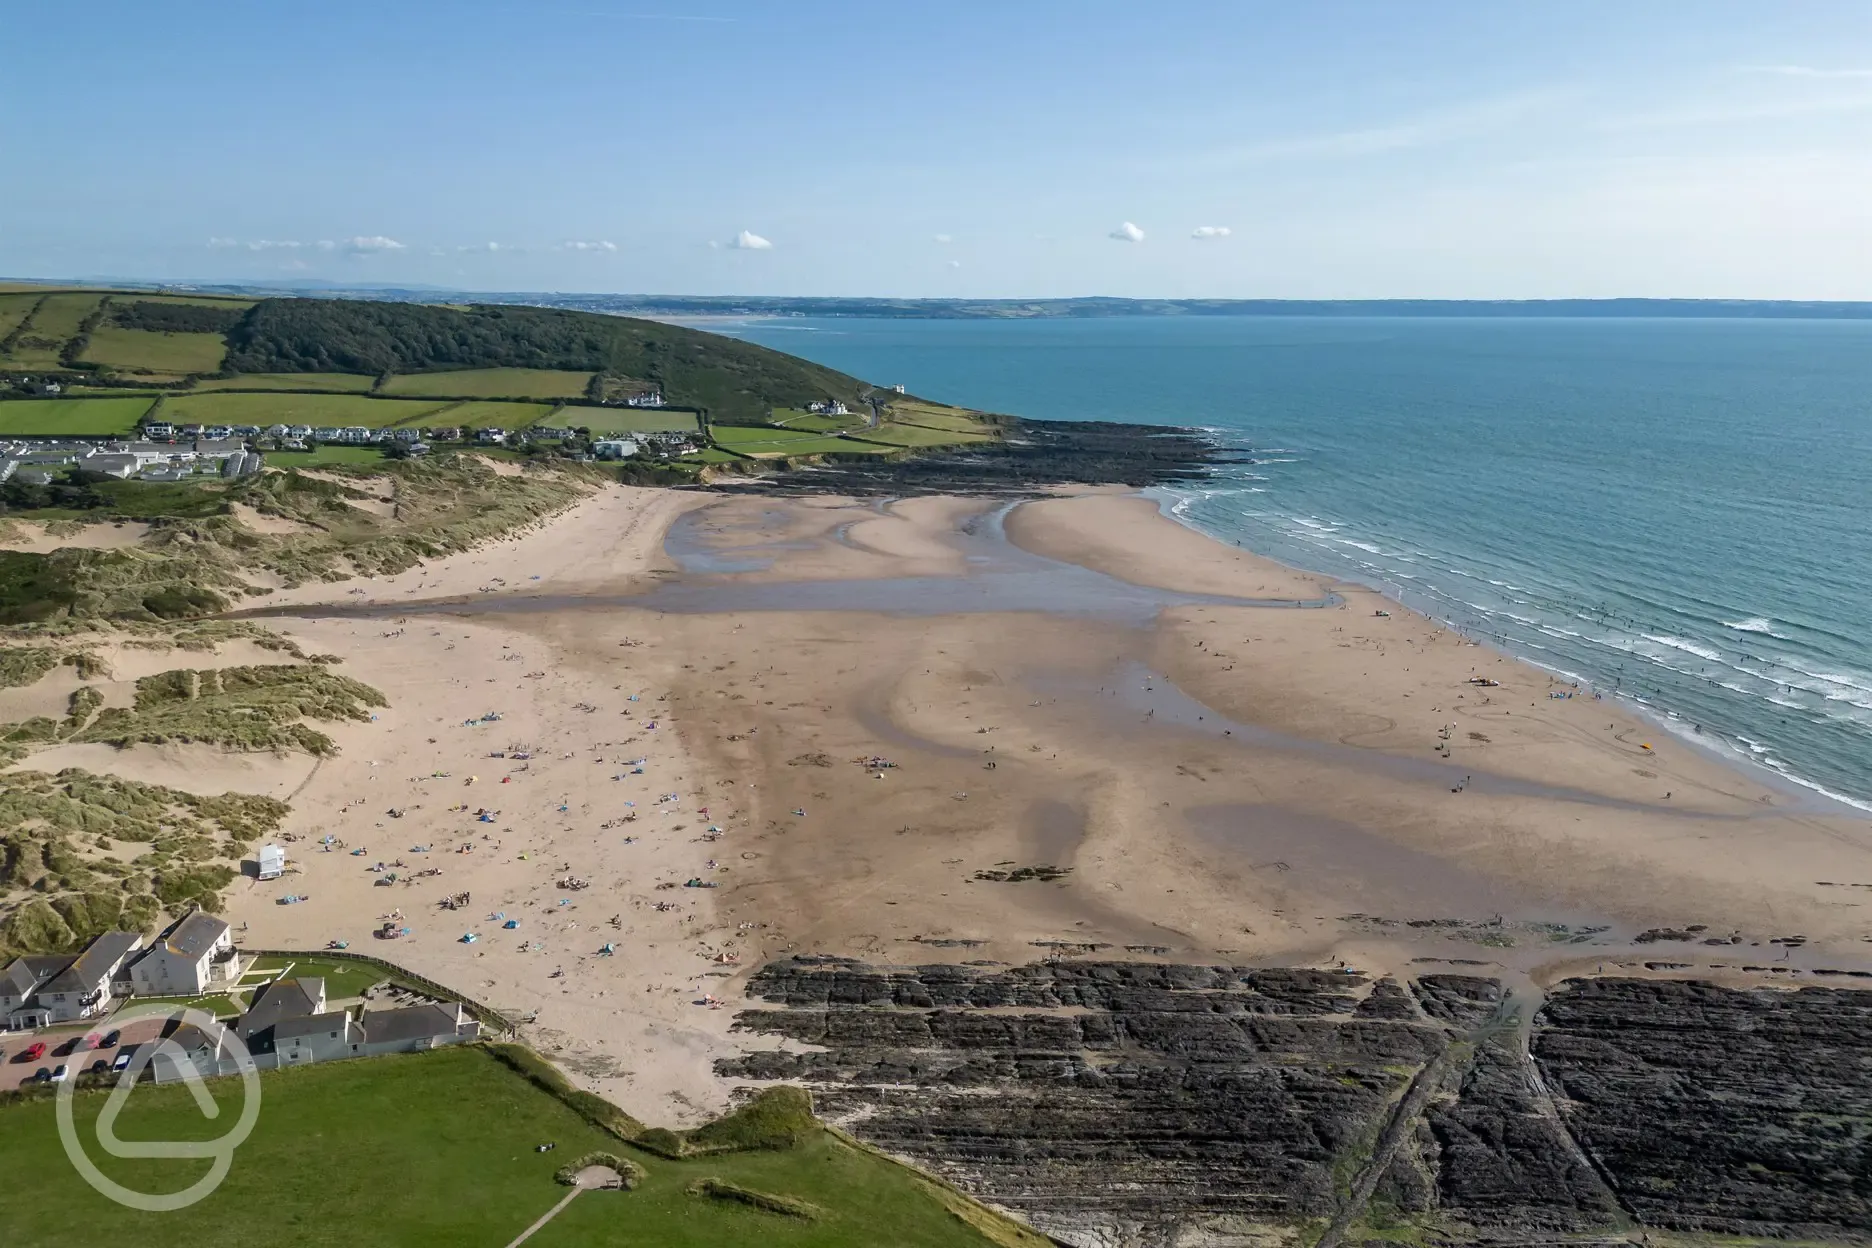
x: 1078, y: 684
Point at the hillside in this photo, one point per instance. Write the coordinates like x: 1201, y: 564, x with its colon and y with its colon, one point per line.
x: 180, y: 341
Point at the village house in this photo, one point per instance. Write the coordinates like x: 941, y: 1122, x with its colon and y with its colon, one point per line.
x: 829, y: 407
x: 159, y: 430
x: 19, y: 986
x: 83, y: 989
x: 613, y: 448
x: 40, y: 991
x: 296, y: 1030
x: 649, y: 398
x: 196, y: 952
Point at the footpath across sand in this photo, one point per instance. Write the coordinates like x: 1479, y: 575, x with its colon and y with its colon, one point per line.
x: 1207, y: 782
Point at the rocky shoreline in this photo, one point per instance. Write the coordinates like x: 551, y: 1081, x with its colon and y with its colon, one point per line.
x: 1141, y: 1103
x: 1035, y: 455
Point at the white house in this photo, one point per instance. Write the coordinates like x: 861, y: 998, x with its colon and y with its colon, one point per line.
x: 653, y: 398
x: 272, y: 862
x: 614, y: 448
x: 83, y: 989
x: 196, y: 952
x: 40, y: 991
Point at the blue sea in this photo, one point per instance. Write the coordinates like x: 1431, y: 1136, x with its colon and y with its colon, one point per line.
x: 1674, y: 510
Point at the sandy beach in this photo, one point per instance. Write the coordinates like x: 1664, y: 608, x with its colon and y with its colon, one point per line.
x: 1095, y: 745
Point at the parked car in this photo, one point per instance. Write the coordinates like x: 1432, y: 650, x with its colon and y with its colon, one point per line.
x: 110, y: 1040
x: 99, y: 1067
x: 42, y: 1075
x: 123, y: 1061
x: 33, y: 1052
x: 61, y: 1074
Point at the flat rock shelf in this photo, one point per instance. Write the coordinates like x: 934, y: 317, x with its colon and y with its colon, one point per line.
x: 1154, y: 1104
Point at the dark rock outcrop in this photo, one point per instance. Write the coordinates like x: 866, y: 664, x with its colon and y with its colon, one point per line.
x: 1139, y: 1103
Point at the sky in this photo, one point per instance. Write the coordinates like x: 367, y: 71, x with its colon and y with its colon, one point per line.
x: 979, y: 148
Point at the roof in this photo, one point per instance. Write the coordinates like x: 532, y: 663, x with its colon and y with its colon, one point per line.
x: 311, y: 1025
x: 22, y: 975
x: 95, y: 964
x: 282, y: 999
x: 410, y: 1023
x: 272, y: 852
x: 195, y: 934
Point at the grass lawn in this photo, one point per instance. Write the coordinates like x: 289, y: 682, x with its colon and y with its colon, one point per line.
x: 918, y: 435
x: 332, y: 454
x: 73, y: 417
x: 625, y: 419
x: 435, y: 1149
x: 772, y: 442
x: 295, y: 409
x: 715, y: 455
x: 343, y: 978
x: 493, y: 383
x: 337, y: 383
x: 788, y: 418
x: 488, y: 414
x: 159, y: 352
x: 206, y: 301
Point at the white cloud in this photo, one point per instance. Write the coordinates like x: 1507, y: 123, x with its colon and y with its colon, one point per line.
x: 1128, y: 233
x: 485, y: 247
x: 325, y: 244
x: 955, y: 264
x: 747, y: 240
x: 367, y: 244
x: 1210, y: 231
x: 258, y: 244
x: 945, y: 238
x: 599, y: 245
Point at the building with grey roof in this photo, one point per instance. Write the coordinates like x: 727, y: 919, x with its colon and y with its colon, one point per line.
x: 195, y: 953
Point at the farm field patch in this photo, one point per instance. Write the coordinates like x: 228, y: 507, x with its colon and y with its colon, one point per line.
x: 492, y: 383
x: 296, y: 409
x: 119, y: 348
x: 73, y: 417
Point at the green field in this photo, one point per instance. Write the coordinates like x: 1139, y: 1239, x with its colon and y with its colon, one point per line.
x: 336, y: 383
x: 73, y: 417
x: 13, y: 310
x: 493, y: 383
x: 918, y: 435
x: 206, y: 301
x: 764, y: 441
x: 937, y: 417
x: 494, y: 414
x: 813, y: 423
x: 61, y: 315
x: 116, y: 347
x: 296, y: 409
x: 626, y: 419
x: 436, y: 1150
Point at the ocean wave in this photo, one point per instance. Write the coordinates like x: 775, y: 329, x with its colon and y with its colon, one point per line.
x: 1688, y: 647
x: 1756, y: 626
x: 1367, y: 547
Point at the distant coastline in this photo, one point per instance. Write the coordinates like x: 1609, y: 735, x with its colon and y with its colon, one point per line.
x: 713, y: 306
